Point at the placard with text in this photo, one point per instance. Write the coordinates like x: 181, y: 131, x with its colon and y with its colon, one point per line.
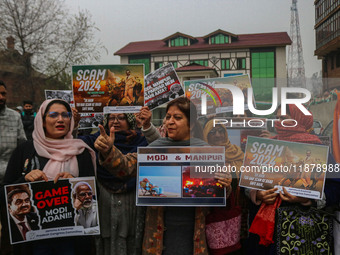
x: 177, y: 176
x: 219, y: 98
x: 299, y: 167
x: 162, y: 86
x: 43, y: 210
x: 108, y: 88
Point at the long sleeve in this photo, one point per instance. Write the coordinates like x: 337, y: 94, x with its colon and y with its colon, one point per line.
x: 119, y: 164
x: 151, y: 134
x: 15, y: 168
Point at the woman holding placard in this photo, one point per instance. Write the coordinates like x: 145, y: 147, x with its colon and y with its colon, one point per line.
x: 162, y: 223
x: 269, y: 203
x: 52, y: 154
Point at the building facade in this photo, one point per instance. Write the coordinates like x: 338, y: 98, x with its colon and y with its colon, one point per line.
x: 327, y: 34
x: 218, y: 54
x: 23, y: 82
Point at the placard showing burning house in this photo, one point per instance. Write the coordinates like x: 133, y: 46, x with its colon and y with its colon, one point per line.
x: 180, y: 176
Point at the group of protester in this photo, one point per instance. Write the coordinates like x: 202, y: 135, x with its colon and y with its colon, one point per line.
x: 111, y: 156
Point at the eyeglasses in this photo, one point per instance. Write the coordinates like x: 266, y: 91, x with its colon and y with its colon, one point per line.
x: 118, y: 118
x: 83, y: 194
x: 64, y: 115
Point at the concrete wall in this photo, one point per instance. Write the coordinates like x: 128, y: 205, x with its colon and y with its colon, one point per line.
x: 281, y: 68
x: 323, y: 112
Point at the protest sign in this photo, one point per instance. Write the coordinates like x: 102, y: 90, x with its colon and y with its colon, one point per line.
x: 108, y: 88
x: 218, y: 100
x: 162, y: 86
x: 300, y: 167
x: 43, y: 210
x: 87, y: 120
x: 66, y: 95
x: 180, y: 176
x: 90, y: 120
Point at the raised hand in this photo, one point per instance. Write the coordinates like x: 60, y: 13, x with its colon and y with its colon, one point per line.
x: 145, y: 117
x: 104, y: 142
x: 76, y: 116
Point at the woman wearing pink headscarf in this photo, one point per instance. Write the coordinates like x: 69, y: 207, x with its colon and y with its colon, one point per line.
x: 52, y: 154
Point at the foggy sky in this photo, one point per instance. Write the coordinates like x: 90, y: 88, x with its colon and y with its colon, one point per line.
x: 124, y: 21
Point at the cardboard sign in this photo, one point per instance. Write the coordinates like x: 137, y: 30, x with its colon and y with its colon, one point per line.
x: 300, y: 167
x: 42, y: 210
x: 218, y: 100
x: 180, y: 176
x: 162, y: 86
x: 108, y: 88
x: 66, y: 95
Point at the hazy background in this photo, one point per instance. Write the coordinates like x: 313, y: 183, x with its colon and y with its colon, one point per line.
x: 124, y: 21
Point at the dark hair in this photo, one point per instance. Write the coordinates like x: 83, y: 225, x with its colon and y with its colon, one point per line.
x: 189, y: 109
x: 3, y: 84
x: 57, y: 101
x: 16, y: 191
x: 27, y: 102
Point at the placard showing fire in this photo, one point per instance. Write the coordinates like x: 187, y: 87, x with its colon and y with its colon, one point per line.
x: 180, y: 176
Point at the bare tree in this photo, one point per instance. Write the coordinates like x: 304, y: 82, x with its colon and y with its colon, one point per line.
x: 48, y: 36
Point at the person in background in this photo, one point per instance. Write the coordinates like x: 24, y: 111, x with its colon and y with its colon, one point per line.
x: 27, y: 117
x: 18, y: 109
x: 52, y: 154
x: 11, y: 135
x: 218, y: 136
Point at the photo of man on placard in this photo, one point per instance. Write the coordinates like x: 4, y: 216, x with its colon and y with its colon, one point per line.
x: 86, y: 207
x: 21, y: 216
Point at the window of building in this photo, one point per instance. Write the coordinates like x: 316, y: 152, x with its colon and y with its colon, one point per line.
x: 241, y: 63
x: 328, y: 30
x: 219, y: 39
x: 158, y: 65
x: 332, y: 61
x: 225, y: 64
x: 141, y: 60
x: 179, y: 41
x: 337, y: 62
x: 263, y: 74
x: 200, y: 62
x: 175, y: 64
